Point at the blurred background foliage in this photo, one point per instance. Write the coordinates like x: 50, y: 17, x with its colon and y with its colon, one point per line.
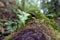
x: 48, y: 7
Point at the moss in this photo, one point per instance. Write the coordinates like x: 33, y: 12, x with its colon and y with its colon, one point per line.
x: 41, y: 16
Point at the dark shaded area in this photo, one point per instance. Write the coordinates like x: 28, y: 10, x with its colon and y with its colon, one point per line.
x: 2, y: 37
x: 29, y: 35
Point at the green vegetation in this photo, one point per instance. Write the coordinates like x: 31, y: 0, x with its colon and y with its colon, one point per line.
x: 20, y: 16
x: 52, y: 6
x: 43, y: 17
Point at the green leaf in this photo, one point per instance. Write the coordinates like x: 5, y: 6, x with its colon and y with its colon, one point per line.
x: 23, y: 17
